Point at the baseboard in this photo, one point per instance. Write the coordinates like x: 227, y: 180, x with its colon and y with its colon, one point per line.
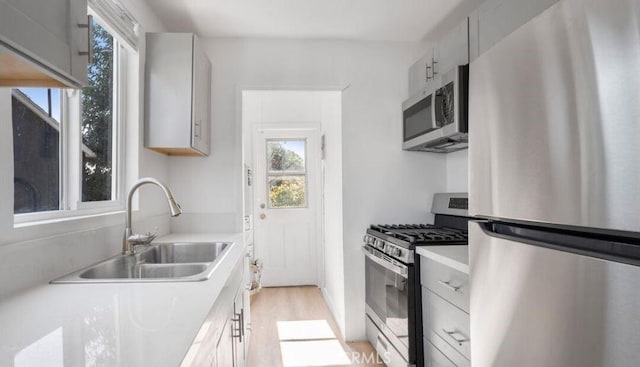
x: 332, y: 308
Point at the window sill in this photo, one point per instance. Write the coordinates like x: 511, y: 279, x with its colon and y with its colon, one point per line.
x: 64, y: 217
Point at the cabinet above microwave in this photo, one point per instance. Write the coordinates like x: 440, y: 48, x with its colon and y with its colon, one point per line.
x: 44, y: 43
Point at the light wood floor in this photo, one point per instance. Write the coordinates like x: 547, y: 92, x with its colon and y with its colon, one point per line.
x: 271, y: 305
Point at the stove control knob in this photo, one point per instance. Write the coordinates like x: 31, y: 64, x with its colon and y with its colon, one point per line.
x: 397, y: 252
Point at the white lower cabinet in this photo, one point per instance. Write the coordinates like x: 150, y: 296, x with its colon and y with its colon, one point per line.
x: 445, y: 317
x: 434, y: 357
x: 223, y: 338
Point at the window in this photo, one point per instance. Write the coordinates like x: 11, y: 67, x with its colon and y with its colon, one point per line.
x: 36, y: 149
x: 287, y: 175
x: 97, y: 121
x: 67, y: 143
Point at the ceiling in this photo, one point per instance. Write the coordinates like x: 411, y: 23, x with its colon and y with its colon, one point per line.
x: 381, y: 20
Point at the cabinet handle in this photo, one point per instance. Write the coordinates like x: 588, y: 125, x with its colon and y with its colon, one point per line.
x: 452, y: 336
x: 428, y: 69
x: 384, y: 345
x: 242, y: 321
x: 449, y: 286
x: 433, y: 68
x: 239, y: 329
x: 89, y: 26
x: 198, y: 129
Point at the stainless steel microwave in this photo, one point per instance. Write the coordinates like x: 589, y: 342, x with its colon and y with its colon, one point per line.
x: 436, y: 119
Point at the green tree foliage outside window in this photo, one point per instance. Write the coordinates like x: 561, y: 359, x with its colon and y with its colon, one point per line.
x: 97, y: 120
x: 282, y: 159
x: 286, y: 190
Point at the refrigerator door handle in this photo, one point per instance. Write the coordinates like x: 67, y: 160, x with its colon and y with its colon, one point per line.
x: 611, y: 246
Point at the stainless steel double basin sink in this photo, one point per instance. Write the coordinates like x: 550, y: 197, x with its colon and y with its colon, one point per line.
x: 163, y: 262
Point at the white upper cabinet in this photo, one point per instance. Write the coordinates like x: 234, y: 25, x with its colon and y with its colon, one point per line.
x: 178, y: 95
x: 420, y: 74
x: 495, y: 19
x: 450, y: 51
x: 44, y: 43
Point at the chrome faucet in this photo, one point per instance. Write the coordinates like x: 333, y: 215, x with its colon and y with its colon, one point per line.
x: 130, y: 239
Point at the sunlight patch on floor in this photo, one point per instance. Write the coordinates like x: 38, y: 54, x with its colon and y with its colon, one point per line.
x: 313, y: 353
x: 305, y: 330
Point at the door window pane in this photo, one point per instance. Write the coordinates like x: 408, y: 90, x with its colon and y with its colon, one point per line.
x: 287, y: 191
x: 286, y: 155
x: 36, y: 150
x: 287, y: 177
x: 97, y: 120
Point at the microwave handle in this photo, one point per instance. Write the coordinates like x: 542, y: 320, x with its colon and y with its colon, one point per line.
x: 434, y: 123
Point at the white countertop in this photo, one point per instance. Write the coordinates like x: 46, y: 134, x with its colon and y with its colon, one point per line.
x: 456, y: 257
x: 116, y: 324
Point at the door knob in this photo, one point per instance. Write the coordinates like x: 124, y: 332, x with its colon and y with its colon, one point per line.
x: 262, y: 216
x: 262, y: 206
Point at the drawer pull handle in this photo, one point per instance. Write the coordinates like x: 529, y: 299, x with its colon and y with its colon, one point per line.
x: 382, y: 343
x: 451, y: 335
x: 449, y: 286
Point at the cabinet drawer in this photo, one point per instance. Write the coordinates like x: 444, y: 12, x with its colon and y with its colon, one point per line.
x: 448, y: 283
x: 434, y: 357
x: 451, y: 353
x: 444, y: 320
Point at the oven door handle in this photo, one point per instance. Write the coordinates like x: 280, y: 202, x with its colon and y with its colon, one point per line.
x: 399, y: 269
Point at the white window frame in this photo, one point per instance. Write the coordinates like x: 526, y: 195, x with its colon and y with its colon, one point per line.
x: 71, y: 204
x: 304, y: 173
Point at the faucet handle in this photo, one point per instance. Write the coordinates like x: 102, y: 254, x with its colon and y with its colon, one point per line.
x: 141, y: 239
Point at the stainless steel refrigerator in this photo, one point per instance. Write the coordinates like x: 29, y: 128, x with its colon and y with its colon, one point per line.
x: 555, y: 172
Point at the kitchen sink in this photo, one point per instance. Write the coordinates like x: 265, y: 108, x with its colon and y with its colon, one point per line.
x: 183, y: 252
x: 163, y: 262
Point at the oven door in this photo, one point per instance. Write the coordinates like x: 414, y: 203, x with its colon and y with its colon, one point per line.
x: 390, y: 300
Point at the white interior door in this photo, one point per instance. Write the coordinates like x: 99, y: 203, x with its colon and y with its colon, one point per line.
x: 287, y: 197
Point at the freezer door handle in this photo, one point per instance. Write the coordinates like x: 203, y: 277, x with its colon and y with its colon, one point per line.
x: 607, y: 245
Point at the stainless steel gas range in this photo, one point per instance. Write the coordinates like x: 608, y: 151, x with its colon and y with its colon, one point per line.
x: 393, y: 297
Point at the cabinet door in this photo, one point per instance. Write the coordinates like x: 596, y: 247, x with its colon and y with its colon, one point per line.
x: 453, y: 49
x: 495, y: 19
x: 224, y: 348
x: 239, y: 332
x: 47, y: 34
x: 200, y: 135
x: 418, y: 74
x: 79, y: 41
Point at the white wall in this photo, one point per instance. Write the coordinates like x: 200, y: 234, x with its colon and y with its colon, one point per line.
x: 31, y: 255
x: 260, y: 107
x: 381, y: 183
x: 458, y: 171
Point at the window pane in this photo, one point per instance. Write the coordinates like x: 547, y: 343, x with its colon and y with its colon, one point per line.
x: 97, y: 121
x: 48, y: 100
x: 286, y: 155
x: 36, y: 152
x: 287, y: 191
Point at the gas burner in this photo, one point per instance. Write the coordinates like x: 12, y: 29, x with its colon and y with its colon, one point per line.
x: 417, y: 234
